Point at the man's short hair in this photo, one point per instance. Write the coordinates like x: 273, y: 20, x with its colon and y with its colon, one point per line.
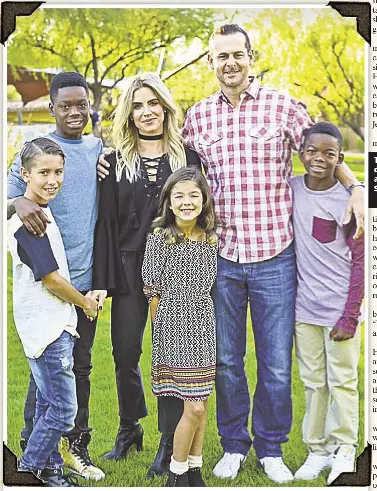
x: 39, y: 146
x: 227, y: 30
x: 67, y: 79
x: 323, y: 127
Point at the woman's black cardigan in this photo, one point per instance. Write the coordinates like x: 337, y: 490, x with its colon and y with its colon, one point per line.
x: 125, y: 213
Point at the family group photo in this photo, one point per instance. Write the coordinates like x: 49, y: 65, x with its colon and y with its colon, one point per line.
x: 185, y: 247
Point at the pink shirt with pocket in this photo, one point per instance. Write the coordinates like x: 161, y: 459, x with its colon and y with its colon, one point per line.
x: 330, y: 262
x: 247, y: 154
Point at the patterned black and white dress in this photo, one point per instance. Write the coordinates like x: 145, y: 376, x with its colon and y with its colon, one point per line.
x: 184, y: 338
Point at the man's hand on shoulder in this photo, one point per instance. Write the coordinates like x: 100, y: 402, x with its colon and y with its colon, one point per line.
x: 31, y: 215
x: 103, y: 165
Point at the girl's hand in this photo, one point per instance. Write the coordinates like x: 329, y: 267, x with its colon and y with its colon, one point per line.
x: 339, y: 335
x: 153, y: 307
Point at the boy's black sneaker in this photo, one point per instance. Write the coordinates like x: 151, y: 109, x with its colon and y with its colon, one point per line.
x: 195, y: 479
x: 56, y: 479
x: 23, y: 444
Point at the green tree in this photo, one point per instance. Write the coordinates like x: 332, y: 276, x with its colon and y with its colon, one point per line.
x: 317, y: 56
x: 105, y: 45
x: 191, y: 80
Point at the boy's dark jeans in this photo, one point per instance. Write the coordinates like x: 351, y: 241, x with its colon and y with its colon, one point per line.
x: 82, y: 356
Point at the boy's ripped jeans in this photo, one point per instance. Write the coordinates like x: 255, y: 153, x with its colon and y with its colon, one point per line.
x: 56, y: 404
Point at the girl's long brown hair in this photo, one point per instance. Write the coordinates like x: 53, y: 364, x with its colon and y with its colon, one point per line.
x: 165, y: 220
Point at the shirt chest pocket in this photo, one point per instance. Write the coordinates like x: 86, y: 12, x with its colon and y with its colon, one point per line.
x: 265, y: 136
x: 324, y: 230
x: 211, y: 146
x: 265, y: 132
x: 264, y: 143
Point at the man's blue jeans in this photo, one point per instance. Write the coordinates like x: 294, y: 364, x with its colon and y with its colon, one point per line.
x: 270, y: 287
x: 56, y: 405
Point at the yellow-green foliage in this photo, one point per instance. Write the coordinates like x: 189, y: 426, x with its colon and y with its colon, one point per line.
x: 12, y: 147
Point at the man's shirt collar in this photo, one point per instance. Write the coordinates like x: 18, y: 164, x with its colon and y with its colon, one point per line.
x: 252, y: 90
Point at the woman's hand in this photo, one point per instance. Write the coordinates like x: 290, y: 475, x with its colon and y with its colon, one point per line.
x: 99, y: 296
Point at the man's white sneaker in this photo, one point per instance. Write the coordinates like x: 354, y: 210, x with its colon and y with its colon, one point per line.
x: 276, y: 470
x: 229, y: 465
x: 313, y: 466
x: 343, y: 461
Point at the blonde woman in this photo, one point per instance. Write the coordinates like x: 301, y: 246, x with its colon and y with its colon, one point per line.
x: 148, y: 149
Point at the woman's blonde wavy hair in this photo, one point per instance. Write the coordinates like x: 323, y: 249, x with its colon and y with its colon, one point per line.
x: 125, y: 134
x: 165, y: 219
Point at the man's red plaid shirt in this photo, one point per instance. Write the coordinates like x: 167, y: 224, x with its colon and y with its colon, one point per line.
x: 247, y: 154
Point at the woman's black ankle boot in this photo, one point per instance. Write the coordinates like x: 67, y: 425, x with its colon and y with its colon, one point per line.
x: 161, y: 463
x: 128, y: 435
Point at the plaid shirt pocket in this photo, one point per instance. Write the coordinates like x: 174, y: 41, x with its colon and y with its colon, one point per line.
x: 265, y: 132
x: 211, y: 148
x: 266, y: 147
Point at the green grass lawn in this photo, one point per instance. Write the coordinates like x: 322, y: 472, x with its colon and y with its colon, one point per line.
x: 104, y: 408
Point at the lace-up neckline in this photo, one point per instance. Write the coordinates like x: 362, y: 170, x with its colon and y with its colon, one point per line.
x: 151, y: 165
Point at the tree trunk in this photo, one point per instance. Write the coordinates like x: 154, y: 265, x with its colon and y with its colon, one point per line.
x: 357, y: 129
x: 97, y: 91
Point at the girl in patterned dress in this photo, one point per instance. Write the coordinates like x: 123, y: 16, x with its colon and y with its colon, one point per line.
x: 179, y: 271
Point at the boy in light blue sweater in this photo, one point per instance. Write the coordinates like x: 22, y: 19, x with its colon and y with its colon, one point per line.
x: 75, y: 212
